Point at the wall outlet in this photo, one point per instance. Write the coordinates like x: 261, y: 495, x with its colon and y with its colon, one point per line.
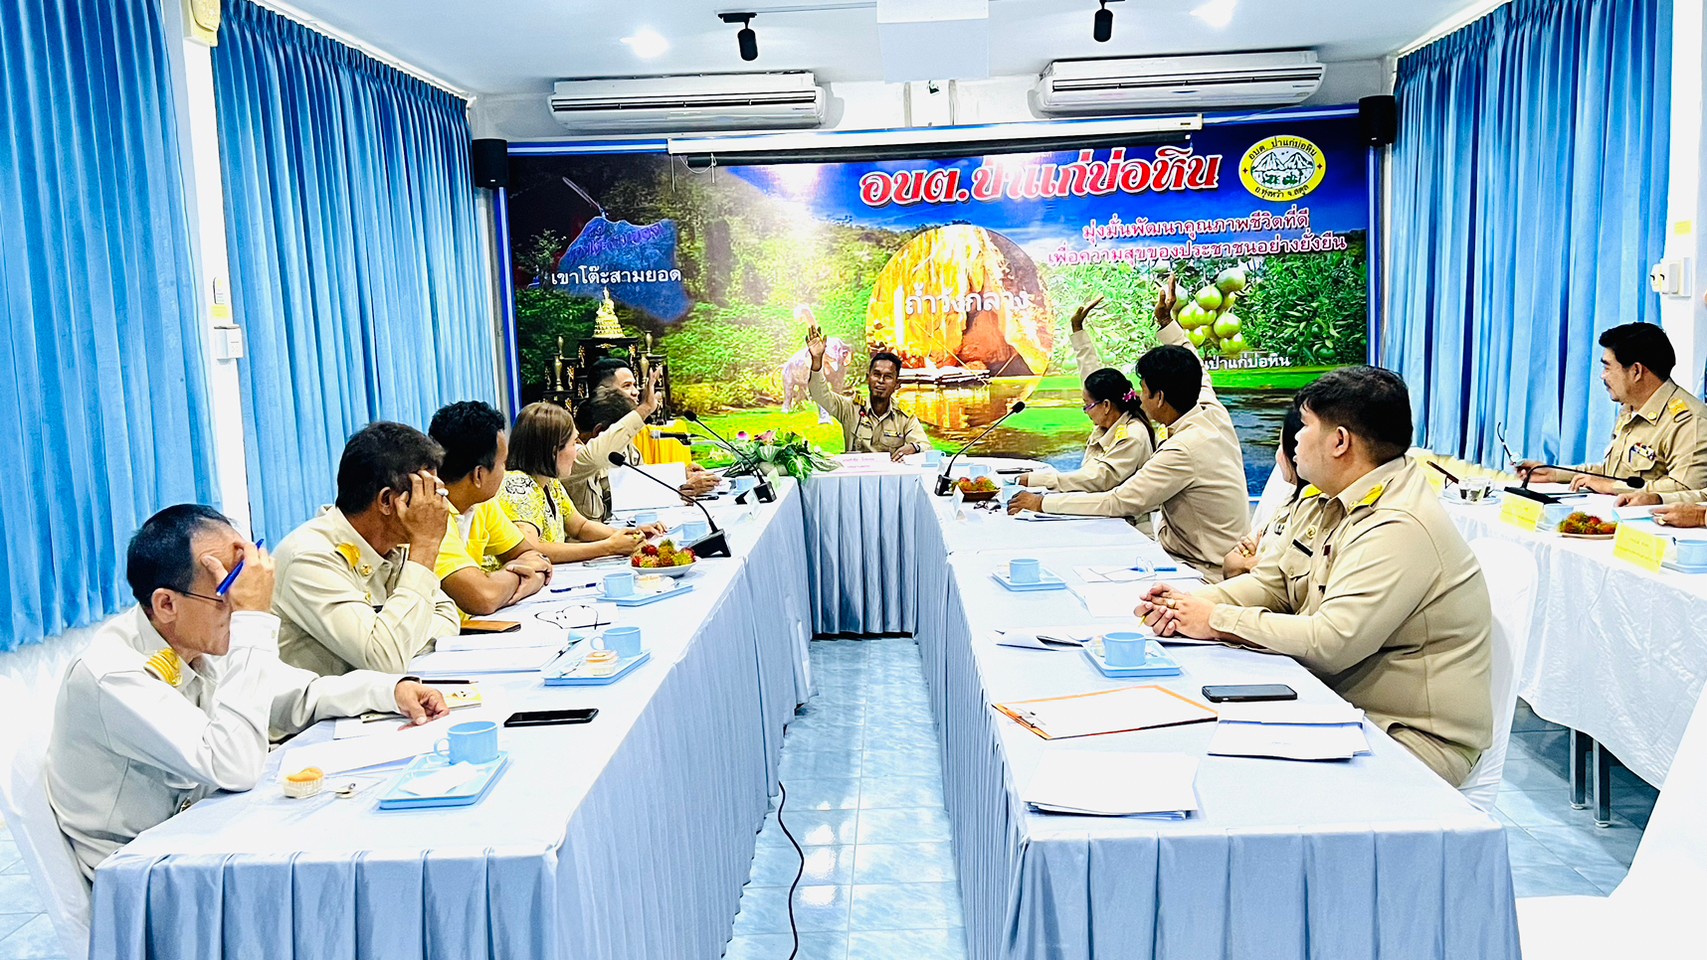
x: 1671, y: 277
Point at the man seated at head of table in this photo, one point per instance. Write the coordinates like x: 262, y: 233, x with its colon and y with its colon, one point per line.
x: 542, y: 453
x: 607, y: 422
x: 1196, y: 477
x: 1121, y: 439
x: 1375, y: 591
x: 182, y: 696
x: 1267, y: 538
x: 877, y: 426
x: 614, y: 373
x: 1658, y: 436
x: 485, y: 563
x: 356, y: 588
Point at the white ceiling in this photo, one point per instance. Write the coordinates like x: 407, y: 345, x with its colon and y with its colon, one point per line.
x: 520, y: 46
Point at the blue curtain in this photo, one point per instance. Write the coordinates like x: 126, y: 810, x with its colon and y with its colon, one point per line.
x: 1529, y: 198
x: 357, y: 268
x: 103, y: 402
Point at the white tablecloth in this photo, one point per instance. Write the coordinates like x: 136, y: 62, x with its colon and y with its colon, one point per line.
x: 1617, y: 652
x: 630, y: 836
x: 1376, y: 857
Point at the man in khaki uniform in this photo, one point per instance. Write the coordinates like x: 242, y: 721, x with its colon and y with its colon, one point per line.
x: 1375, y: 591
x: 880, y: 428
x: 1121, y: 440
x: 608, y: 422
x: 181, y: 696
x: 1658, y: 435
x: 356, y: 587
x: 1196, y: 477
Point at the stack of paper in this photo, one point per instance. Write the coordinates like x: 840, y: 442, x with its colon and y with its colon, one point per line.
x: 1046, y: 638
x: 630, y: 491
x: 1115, y: 574
x: 1105, y: 600
x: 1107, y: 711
x: 455, y: 663
x: 1310, y: 732
x: 1034, y: 516
x: 1100, y: 784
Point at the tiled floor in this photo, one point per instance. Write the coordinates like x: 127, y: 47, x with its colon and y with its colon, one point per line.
x: 865, y: 802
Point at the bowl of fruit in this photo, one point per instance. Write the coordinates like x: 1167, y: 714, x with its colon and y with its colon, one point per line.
x: 977, y: 491
x: 663, y: 557
x: 1587, y: 526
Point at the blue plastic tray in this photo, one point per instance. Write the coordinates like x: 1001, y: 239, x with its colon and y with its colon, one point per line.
x: 1045, y: 581
x: 464, y: 796
x: 641, y: 600
x: 624, y: 667
x: 1676, y: 567
x: 1156, y: 664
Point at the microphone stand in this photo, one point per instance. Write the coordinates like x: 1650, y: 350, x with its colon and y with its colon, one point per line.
x: 713, y: 544
x: 944, y: 485
x: 764, y: 491
x: 1523, y: 490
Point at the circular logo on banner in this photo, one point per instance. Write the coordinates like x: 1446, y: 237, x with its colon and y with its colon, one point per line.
x: 1283, y: 168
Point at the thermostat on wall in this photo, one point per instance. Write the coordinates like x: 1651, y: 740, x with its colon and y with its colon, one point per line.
x: 1670, y: 278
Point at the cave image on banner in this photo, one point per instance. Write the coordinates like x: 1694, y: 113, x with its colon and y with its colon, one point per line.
x: 966, y: 268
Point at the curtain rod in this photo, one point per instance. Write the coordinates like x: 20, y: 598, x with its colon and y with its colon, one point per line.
x: 1451, y: 25
x: 305, y: 20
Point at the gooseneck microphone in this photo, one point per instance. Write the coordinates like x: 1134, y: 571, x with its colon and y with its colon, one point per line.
x: 1523, y: 490
x: 713, y: 544
x: 764, y: 491
x: 945, y: 485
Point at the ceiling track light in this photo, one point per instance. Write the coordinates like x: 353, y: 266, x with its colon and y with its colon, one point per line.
x: 746, y: 40
x: 1102, y: 25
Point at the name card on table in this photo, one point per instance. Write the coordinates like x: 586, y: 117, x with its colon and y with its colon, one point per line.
x: 1522, y: 512
x: 1644, y: 549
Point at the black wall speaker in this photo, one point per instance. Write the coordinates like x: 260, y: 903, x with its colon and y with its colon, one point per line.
x: 1380, y: 120
x: 491, y: 161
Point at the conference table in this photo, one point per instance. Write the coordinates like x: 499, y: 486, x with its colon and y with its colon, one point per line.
x: 1615, y: 651
x: 631, y: 836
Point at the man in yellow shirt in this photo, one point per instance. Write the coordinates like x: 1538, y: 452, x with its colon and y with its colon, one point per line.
x: 476, y: 444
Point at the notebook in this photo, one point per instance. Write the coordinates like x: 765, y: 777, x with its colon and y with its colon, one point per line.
x: 1104, y: 784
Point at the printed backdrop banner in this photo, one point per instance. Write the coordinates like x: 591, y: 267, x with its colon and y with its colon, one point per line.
x: 967, y: 268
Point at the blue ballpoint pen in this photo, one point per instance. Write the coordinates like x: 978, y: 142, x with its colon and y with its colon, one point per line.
x: 231, y: 578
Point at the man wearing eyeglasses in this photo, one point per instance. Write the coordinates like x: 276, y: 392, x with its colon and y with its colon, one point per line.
x: 181, y: 697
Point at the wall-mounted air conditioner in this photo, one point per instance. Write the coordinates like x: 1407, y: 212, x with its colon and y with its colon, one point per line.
x: 1177, y: 84
x: 744, y: 101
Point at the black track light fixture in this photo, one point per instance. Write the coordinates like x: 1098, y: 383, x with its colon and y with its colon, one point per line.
x: 746, y: 40
x: 1102, y: 26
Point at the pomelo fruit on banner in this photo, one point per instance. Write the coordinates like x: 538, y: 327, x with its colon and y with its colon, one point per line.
x: 1231, y: 280
x: 1226, y: 325
x: 1209, y: 298
x: 963, y: 296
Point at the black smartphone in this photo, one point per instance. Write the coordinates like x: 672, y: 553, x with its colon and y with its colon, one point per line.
x: 1248, y: 692
x: 546, y: 718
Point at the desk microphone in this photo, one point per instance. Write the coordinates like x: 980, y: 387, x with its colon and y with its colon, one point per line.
x: 713, y: 544
x: 1523, y: 490
x: 944, y: 485
x: 672, y: 435
x: 764, y: 491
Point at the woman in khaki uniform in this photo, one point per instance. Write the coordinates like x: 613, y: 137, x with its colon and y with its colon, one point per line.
x: 1122, y: 439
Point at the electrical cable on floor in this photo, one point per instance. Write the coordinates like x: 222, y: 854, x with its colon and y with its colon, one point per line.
x: 792, y: 928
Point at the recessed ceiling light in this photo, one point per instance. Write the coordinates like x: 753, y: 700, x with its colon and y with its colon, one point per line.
x: 647, y: 44
x: 1216, y: 13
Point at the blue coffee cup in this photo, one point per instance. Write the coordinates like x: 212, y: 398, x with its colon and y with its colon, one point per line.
x: 745, y: 484
x: 619, y: 584
x: 976, y: 470
x: 473, y: 742
x: 1125, y: 649
x: 1024, y: 570
x: 624, y: 642
x: 695, y: 530
x: 1691, y: 553
x: 933, y: 457
x: 645, y: 517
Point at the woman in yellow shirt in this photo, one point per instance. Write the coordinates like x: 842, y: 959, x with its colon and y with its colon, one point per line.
x: 542, y: 451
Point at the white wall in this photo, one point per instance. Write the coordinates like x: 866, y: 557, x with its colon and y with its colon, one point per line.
x: 874, y: 105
